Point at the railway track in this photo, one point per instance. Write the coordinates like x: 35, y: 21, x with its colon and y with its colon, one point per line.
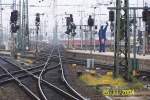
x: 49, y: 78
x: 57, y: 79
x: 23, y: 77
x: 145, y: 75
x: 21, y: 83
x: 5, y: 78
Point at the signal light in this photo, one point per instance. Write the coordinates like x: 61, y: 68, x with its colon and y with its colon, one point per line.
x: 71, y: 18
x: 90, y: 21
x: 14, y: 28
x: 14, y: 16
x: 144, y: 15
x: 96, y: 27
x: 111, y: 16
x: 67, y: 32
x: 70, y: 25
x: 37, y: 19
x: 67, y: 21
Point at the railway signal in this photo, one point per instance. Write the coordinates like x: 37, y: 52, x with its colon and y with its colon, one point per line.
x: 111, y: 16
x: 14, y: 16
x: 13, y: 21
x: 37, y: 19
x: 90, y: 62
x: 145, y: 14
x: 126, y: 37
x: 37, y: 24
x: 90, y: 21
x: 71, y: 27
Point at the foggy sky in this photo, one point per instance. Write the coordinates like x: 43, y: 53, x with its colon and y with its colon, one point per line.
x: 48, y: 11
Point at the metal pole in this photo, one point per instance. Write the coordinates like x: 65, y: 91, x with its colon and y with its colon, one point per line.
x: 127, y: 39
x: 134, y: 50
x: 85, y: 39
x: 55, y: 35
x: 72, y: 41
x: 22, y: 25
x: 116, y: 68
x: 13, y: 48
x: 1, y: 22
x: 81, y: 23
x: 27, y: 24
x: 37, y: 39
x: 95, y: 30
x: 90, y: 41
x: 14, y: 4
x: 81, y: 38
x: 144, y: 40
x: 19, y: 34
x: 68, y: 41
x: 112, y: 34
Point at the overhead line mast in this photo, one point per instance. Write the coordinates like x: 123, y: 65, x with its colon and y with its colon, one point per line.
x: 125, y: 50
x: 55, y: 34
x: 1, y: 24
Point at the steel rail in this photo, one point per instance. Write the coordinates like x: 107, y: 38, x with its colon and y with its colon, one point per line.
x: 21, y: 84
x: 20, y: 71
x: 57, y: 89
x: 43, y: 70
x: 64, y: 79
x: 25, y: 75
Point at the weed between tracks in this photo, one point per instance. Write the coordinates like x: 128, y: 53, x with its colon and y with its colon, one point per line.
x: 94, y: 80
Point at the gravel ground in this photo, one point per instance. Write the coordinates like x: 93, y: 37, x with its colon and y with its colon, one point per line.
x: 79, y: 86
x: 11, y: 91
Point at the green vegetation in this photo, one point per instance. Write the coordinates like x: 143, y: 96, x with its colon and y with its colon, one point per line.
x: 108, y: 81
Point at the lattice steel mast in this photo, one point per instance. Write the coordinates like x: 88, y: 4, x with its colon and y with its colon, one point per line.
x: 125, y: 41
x: 1, y: 24
x: 55, y: 34
x: 25, y: 25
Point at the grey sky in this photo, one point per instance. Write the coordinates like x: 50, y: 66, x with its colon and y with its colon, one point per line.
x: 48, y: 11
